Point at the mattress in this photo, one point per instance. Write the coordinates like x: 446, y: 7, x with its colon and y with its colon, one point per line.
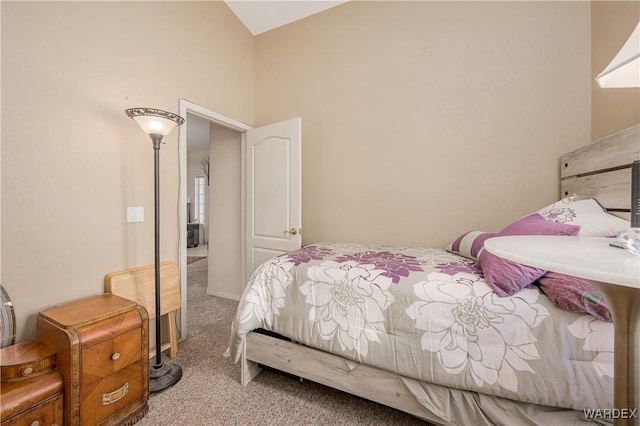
x: 430, y: 316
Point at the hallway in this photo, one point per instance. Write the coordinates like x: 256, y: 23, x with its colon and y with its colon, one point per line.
x: 201, y: 250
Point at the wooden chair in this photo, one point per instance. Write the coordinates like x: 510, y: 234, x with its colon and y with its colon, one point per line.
x: 138, y: 284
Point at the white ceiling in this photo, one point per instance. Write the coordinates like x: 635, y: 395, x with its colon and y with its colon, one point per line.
x: 263, y: 15
x: 258, y: 16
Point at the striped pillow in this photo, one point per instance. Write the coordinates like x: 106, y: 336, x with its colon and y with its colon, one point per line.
x: 469, y: 244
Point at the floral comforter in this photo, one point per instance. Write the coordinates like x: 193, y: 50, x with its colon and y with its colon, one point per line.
x: 429, y: 315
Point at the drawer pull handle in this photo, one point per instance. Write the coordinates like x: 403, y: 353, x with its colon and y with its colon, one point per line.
x: 35, y: 423
x: 115, y: 356
x: 116, y: 395
x: 27, y: 371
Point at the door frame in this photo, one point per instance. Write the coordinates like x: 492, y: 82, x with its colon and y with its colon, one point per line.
x: 186, y: 107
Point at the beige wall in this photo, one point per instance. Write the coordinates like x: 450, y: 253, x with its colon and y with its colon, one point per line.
x: 612, y: 22
x: 425, y: 119
x: 420, y: 120
x: 72, y: 161
x: 225, y: 214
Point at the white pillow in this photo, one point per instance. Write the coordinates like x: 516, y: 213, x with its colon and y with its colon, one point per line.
x: 594, y: 221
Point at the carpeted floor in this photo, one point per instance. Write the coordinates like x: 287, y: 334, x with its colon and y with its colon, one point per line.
x: 191, y: 259
x: 210, y: 393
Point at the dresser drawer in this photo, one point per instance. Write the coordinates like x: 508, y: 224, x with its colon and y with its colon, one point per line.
x: 109, y: 328
x: 111, y: 394
x: 25, y: 360
x: 38, y: 399
x: 46, y: 413
x: 104, y: 359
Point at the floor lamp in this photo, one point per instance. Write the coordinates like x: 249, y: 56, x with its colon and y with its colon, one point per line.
x: 157, y: 124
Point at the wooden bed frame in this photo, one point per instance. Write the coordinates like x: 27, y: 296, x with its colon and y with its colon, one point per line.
x: 601, y: 170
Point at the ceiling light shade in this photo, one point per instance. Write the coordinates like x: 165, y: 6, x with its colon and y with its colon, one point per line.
x: 624, y: 69
x: 155, y: 121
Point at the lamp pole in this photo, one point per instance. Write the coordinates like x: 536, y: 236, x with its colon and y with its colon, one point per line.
x: 156, y: 139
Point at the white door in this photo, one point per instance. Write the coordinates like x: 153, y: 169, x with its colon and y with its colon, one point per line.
x: 274, y: 184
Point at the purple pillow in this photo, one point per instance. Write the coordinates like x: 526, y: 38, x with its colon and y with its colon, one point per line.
x: 506, y: 277
x: 575, y: 294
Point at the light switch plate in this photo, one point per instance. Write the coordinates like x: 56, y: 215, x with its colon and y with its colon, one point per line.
x: 135, y: 214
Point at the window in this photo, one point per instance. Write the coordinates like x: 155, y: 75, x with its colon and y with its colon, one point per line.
x: 201, y: 199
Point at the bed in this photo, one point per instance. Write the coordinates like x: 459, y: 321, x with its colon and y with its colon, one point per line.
x: 455, y: 335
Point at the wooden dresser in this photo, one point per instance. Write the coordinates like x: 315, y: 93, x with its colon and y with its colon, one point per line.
x: 31, y: 388
x: 102, y: 346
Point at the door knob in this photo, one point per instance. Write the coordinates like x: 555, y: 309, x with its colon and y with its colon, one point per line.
x: 293, y: 231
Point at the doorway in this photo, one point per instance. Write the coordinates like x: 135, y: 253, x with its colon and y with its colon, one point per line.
x: 223, y: 227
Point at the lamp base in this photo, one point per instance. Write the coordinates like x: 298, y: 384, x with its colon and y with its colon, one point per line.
x: 163, y: 376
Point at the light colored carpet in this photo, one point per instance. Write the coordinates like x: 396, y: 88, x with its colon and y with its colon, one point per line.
x: 210, y: 392
x: 191, y: 259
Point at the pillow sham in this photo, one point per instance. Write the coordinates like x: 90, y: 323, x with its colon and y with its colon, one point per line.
x: 574, y: 294
x: 506, y: 277
x: 593, y: 219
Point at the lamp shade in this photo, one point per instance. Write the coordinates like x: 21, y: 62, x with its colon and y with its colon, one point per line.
x: 624, y: 69
x: 155, y: 121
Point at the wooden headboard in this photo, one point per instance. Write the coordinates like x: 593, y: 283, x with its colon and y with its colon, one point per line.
x: 602, y: 170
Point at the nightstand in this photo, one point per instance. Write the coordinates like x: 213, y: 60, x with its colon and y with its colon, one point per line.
x: 31, y: 388
x: 616, y: 273
x: 102, y: 344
